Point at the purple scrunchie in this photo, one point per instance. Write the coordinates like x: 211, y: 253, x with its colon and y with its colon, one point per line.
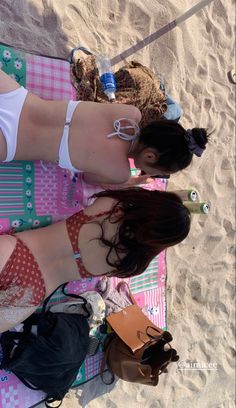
x: 192, y: 145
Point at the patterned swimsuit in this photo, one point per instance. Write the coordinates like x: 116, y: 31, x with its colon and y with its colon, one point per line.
x: 73, y: 225
x: 21, y: 281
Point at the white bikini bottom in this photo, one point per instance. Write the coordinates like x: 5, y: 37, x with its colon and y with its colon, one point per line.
x: 11, y: 104
x: 64, y: 160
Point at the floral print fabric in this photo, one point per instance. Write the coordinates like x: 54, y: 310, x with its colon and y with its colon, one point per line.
x: 13, y: 63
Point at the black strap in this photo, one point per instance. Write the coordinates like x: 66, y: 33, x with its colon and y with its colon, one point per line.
x: 73, y: 295
x: 76, y: 297
x: 49, y: 297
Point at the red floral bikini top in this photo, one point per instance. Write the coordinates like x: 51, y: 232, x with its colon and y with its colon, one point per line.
x: 73, y: 225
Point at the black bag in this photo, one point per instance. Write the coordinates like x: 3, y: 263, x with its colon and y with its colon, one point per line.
x: 50, y: 360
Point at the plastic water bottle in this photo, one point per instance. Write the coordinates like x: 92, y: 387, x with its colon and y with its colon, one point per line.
x: 107, y: 77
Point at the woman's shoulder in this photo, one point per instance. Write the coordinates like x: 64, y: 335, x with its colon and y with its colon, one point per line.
x: 117, y: 110
x: 128, y: 111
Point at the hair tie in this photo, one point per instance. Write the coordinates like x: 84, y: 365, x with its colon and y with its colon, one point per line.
x: 192, y: 145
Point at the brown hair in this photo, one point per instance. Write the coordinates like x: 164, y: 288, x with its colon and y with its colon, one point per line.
x: 151, y: 222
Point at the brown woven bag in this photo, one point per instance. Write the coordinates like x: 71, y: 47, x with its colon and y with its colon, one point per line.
x: 137, y: 351
x: 136, y: 85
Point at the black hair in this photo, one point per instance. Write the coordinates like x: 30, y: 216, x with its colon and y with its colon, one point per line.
x: 151, y: 222
x: 168, y: 137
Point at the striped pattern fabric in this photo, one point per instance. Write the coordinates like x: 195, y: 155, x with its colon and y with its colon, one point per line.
x: 11, y: 188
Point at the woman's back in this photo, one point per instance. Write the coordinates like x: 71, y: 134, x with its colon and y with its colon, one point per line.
x: 91, y: 150
x: 117, y: 236
x: 52, y: 246
x: 78, y: 136
x: 41, y: 124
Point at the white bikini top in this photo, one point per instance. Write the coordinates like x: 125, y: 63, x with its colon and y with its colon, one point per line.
x: 122, y: 135
x: 64, y: 155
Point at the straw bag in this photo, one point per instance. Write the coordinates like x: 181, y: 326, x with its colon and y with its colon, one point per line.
x: 136, y: 84
x: 137, y: 351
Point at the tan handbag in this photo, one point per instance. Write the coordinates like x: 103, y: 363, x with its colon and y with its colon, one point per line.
x: 138, y: 351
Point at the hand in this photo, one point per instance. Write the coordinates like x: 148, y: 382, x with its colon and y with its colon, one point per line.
x: 136, y: 180
x: 133, y: 181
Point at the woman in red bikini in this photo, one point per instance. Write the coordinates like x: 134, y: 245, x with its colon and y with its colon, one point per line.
x: 118, y: 235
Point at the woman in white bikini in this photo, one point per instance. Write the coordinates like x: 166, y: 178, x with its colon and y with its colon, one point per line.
x: 97, y: 139
x: 118, y: 235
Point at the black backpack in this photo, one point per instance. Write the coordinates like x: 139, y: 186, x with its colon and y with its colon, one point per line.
x: 50, y: 360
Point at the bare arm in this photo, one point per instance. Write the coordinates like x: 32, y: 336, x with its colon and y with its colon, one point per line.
x: 135, y: 181
x: 100, y: 180
x: 131, y: 182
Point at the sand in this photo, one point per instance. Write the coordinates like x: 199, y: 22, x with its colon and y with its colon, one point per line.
x: 195, y: 59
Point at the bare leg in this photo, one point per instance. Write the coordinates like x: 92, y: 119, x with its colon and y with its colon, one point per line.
x: 7, y: 84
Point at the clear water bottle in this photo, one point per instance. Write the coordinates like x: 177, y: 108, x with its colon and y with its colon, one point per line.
x: 107, y: 77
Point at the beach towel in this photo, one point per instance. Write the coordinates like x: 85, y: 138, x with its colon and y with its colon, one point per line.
x: 35, y: 194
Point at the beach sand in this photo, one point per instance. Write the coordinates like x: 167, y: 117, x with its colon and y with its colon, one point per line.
x: 195, y: 59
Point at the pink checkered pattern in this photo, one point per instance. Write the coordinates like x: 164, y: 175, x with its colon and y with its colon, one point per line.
x: 49, y: 78
x: 93, y: 364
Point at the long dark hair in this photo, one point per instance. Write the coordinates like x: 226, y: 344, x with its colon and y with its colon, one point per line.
x: 169, y: 138
x: 151, y: 222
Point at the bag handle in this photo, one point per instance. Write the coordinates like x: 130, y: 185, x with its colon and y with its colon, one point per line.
x: 74, y: 295
x: 152, y: 339
x: 49, y: 297
x: 155, y: 329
